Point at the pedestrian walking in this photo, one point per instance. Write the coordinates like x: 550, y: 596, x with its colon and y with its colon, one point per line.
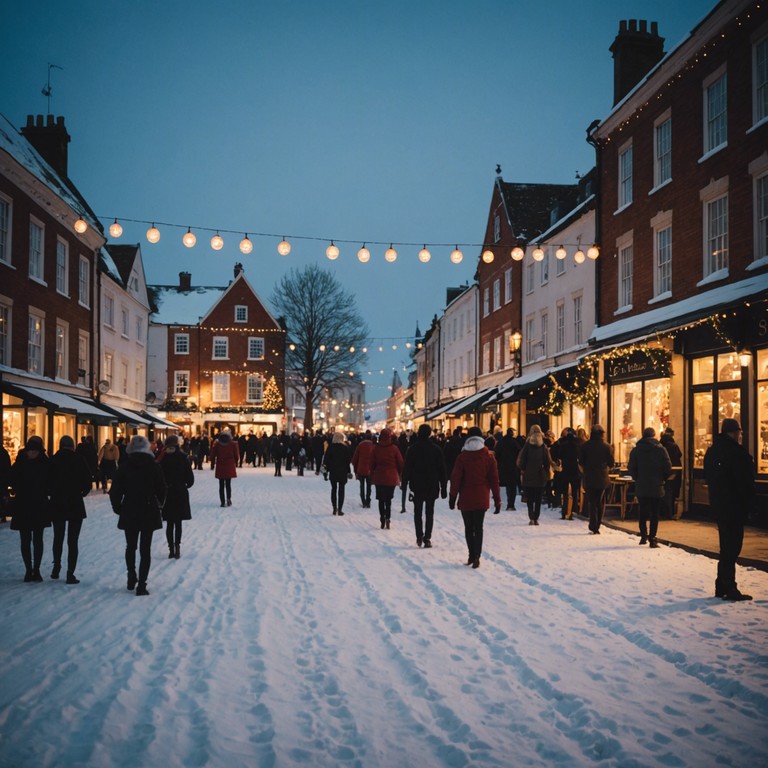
x: 336, y: 468
x: 565, y: 453
x: 108, y: 458
x: 203, y: 452
x: 30, y: 508
x: 225, y: 457
x: 361, y: 463
x: 386, y: 468
x: 453, y: 449
x: 5, y: 482
x: 595, y: 461
x: 536, y: 469
x: 87, y: 450
x: 179, y: 478
x: 730, y: 474
x: 675, y: 480
x: 649, y: 466
x: 137, y: 495
x: 507, y: 451
x: 474, y: 479
x: 425, y: 472
x: 70, y: 481
x: 276, y: 452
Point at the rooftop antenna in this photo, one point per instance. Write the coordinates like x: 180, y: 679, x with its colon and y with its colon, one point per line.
x: 47, y: 91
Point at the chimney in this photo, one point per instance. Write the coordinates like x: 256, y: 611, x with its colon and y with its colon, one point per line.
x: 636, y: 50
x: 185, y: 281
x: 238, y: 269
x: 50, y: 139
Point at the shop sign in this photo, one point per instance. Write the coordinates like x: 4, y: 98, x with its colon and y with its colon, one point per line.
x: 634, y: 366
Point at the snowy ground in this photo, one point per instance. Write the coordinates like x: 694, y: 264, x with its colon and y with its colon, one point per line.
x: 285, y: 636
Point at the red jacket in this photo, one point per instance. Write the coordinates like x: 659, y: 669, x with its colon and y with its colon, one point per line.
x: 225, y: 456
x: 475, y: 477
x: 361, y: 460
x: 386, y: 461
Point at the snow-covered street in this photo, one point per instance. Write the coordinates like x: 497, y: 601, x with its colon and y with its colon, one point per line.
x: 287, y: 636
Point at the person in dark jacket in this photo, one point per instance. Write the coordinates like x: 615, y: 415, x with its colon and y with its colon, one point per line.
x: 453, y: 449
x: 179, y: 478
x: 535, y: 465
x: 474, y: 479
x: 31, y: 511
x: 225, y: 456
x: 202, y: 452
x: 595, y: 460
x: 425, y: 472
x: 137, y: 495
x: 336, y: 465
x: 276, y: 452
x: 70, y: 481
x: 730, y: 474
x: 361, y: 463
x: 87, y: 450
x: 649, y: 466
x: 318, y: 450
x: 674, y: 482
x: 566, y: 453
x: 5, y: 481
x: 507, y: 450
x: 386, y: 468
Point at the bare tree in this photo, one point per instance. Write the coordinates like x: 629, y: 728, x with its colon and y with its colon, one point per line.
x: 323, y: 325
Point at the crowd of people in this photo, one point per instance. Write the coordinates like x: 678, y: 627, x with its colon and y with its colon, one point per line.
x: 149, y: 483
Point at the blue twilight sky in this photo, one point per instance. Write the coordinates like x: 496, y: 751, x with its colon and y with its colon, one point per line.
x: 348, y: 119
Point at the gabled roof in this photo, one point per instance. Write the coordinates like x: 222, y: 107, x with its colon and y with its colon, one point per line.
x: 241, y: 276
x: 124, y: 257
x: 109, y: 267
x: 528, y: 207
x: 172, y: 306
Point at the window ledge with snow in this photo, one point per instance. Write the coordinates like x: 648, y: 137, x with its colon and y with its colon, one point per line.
x: 758, y: 263
x: 712, y: 151
x: 663, y: 184
x: 623, y: 310
x: 721, y: 274
x: 661, y: 297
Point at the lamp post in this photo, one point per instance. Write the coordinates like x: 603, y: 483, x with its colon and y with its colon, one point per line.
x: 515, y: 342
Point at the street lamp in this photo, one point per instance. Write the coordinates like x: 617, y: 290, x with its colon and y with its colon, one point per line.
x: 515, y: 342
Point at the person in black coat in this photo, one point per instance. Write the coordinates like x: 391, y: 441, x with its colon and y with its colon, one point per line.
x: 137, y: 495
x: 426, y: 473
x: 31, y: 511
x: 318, y: 450
x: 87, y: 450
x: 674, y: 482
x: 179, y: 478
x: 336, y: 463
x: 453, y: 448
x: 506, y: 452
x: 70, y: 481
x: 5, y: 481
x: 730, y: 474
x: 565, y: 452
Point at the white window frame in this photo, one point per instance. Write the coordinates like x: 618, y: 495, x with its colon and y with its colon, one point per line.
x: 714, y: 265
x: 529, y: 340
x: 62, y: 267
x: 661, y: 224
x: 62, y: 349
x: 180, y: 343
x: 180, y: 389
x: 83, y: 356
x: 496, y: 228
x: 559, y: 326
x: 625, y: 176
x: 544, y: 334
x: 241, y: 309
x: 109, y: 310
x: 662, y: 150
x: 715, y: 112
x: 625, y: 271
x: 497, y: 363
x: 36, y: 341
x: 506, y: 354
x: 84, y: 283
x: 486, y: 301
x: 6, y: 320
x: 124, y: 376
x: 487, y: 357
x: 138, y: 383
x: 578, y: 319
x: 36, y: 250
x: 255, y: 341
x: 109, y: 366
x: 6, y: 223
x: 496, y: 294
x: 760, y: 79
x: 507, y: 285
x: 758, y: 169
x: 559, y: 267
x: 125, y: 322
x: 545, y: 266
x: 530, y: 277
x: 220, y: 348
x: 140, y: 330
x: 251, y: 382
x: 220, y: 388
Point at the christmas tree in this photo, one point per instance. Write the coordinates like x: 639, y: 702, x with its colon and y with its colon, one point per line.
x: 273, y: 401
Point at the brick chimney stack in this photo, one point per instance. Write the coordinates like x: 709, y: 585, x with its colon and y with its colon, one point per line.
x: 185, y: 281
x: 50, y: 139
x: 238, y: 268
x: 636, y: 50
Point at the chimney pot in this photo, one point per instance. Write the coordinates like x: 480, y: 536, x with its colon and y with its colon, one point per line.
x: 39, y: 121
x: 49, y: 120
x: 30, y: 121
x: 50, y: 140
x: 185, y: 281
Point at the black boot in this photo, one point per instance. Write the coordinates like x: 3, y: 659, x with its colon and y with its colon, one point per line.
x: 72, y: 579
x: 171, y: 553
x: 56, y: 570
x: 36, y: 575
x: 142, y: 588
x: 132, y: 580
x: 177, y: 552
x: 28, y: 576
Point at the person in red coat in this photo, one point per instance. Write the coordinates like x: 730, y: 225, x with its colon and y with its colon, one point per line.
x: 225, y: 456
x: 474, y: 478
x: 386, y: 467
x: 361, y: 463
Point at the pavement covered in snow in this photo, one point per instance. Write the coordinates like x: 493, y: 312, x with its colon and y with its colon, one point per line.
x: 286, y: 636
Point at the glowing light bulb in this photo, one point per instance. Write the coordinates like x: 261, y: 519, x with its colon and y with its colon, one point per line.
x: 322, y: 347
x: 488, y: 256
x: 560, y: 253
x: 424, y: 255
x: 115, y: 230
x: 391, y: 254
x: 593, y: 252
x: 579, y: 256
x: 80, y: 226
x: 332, y: 252
x: 517, y: 253
x: 456, y: 255
x: 217, y: 242
x: 283, y: 247
x: 246, y: 246
x: 189, y: 239
x: 351, y: 349
x: 538, y: 254
x: 292, y: 347
x: 363, y: 254
x: 153, y: 234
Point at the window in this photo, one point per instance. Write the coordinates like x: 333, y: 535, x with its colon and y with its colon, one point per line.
x: 496, y: 294
x: 487, y: 357
x: 544, y: 333
x: 82, y: 357
x: 577, y: 321
x: 624, y: 245
x: 761, y: 217
x: 109, y: 367
x: 62, y: 267
x: 254, y: 388
x: 220, y: 387
x: 220, y: 348
x: 505, y: 349
x: 496, y: 228
x: 529, y: 276
x: 109, y: 310
x: 181, y: 383
x: 140, y: 330
x: 470, y: 365
x: 559, y: 267
x: 181, y: 343
x: 661, y: 224
x: 662, y: 150
x: 486, y: 302
x: 124, y: 377
x: 62, y: 332
x: 716, y: 236
x: 560, y: 327
x: 36, y: 266
x: 545, y: 267
x: 125, y: 318
x: 5, y: 230
x: 625, y: 176
x: 529, y: 340
x: 497, y: 354
x: 760, y: 79
x: 255, y: 348
x: 139, y: 383
x: 84, y: 283
x: 241, y: 313
x: 715, y: 112
x: 508, y: 285
x: 5, y: 334
x: 35, y: 344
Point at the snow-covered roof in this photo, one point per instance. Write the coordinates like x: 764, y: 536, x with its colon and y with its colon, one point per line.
x: 177, y: 307
x: 108, y: 265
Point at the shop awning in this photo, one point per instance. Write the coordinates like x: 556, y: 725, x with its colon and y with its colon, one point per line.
x: 85, y: 410
x: 439, y: 411
x: 124, y: 415
x: 157, y: 421
x: 516, y: 389
x: 471, y: 402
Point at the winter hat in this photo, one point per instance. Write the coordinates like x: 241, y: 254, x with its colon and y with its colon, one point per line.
x: 35, y: 443
x: 474, y: 432
x: 424, y: 430
x: 67, y: 443
x: 385, y: 434
x: 139, y: 444
x: 535, y: 430
x: 730, y: 425
x: 669, y: 431
x: 172, y: 441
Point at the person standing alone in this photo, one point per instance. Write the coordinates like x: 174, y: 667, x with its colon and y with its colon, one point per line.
x: 225, y: 457
x: 649, y: 466
x: 595, y: 459
x: 179, y: 478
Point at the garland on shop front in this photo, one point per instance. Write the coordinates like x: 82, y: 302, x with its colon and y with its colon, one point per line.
x: 580, y: 388
x: 177, y: 405
x: 659, y: 356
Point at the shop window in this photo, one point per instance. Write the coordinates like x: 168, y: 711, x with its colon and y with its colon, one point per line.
x: 635, y: 406
x: 761, y: 377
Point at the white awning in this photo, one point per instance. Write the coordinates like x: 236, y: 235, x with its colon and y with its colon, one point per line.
x: 60, y: 401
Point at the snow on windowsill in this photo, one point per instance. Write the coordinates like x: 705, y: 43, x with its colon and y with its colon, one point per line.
x: 758, y: 263
x: 711, y: 152
x: 721, y: 274
x: 661, y: 297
